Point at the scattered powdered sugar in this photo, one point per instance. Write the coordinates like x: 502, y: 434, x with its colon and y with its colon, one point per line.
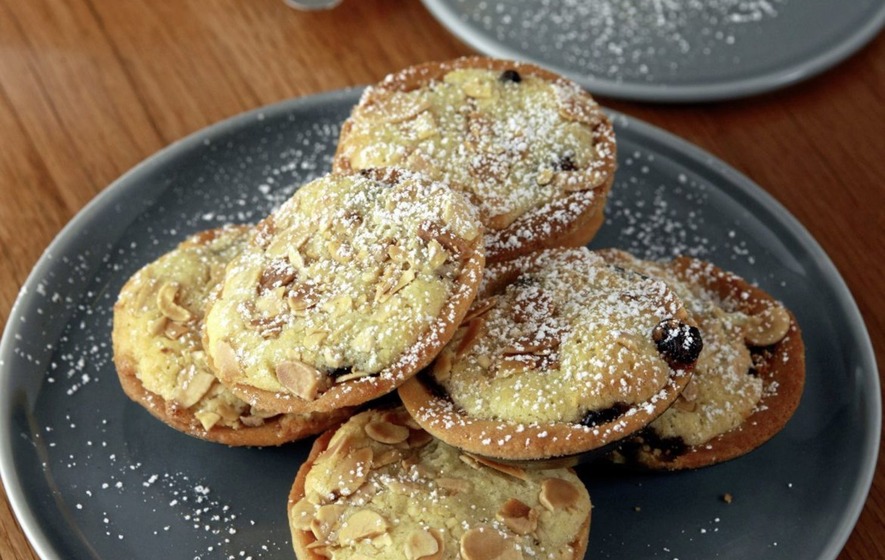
x: 630, y: 40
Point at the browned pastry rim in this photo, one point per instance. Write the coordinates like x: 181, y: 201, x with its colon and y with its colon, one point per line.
x: 782, y: 363
x: 551, y: 225
x: 302, y: 539
x: 537, y: 444
x: 358, y: 391
x: 276, y: 430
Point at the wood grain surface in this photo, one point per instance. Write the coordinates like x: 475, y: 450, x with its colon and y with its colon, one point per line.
x: 88, y: 88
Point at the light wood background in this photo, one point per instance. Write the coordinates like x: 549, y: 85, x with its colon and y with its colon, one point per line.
x: 88, y: 88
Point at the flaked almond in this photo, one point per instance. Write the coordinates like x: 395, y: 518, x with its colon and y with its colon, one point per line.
x: 453, y: 485
x: 403, y: 487
x: 326, y: 519
x: 301, y: 514
x: 385, y: 432
x: 193, y: 389
x: 302, y: 297
x: 302, y: 380
x: 478, y: 89
x: 386, y: 457
x: 354, y: 374
x: 767, y: 327
x: 451, y: 242
x: 557, y: 494
x: 510, y: 470
x: 158, y: 325
x: 168, y: 307
x: 544, y: 176
x: 174, y: 330
x: 418, y: 438
x: 393, y: 107
x: 364, y: 524
x: 518, y: 517
x: 276, y: 274
x: 320, y: 548
x: 252, y: 421
x: 351, y: 472
x: 314, y: 339
x: 437, y: 255
x: 226, y: 362
x: 207, y: 418
x: 485, y: 543
x: 423, y: 544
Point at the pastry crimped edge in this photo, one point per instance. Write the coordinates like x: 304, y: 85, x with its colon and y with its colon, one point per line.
x: 355, y: 392
x: 584, y: 209
x: 301, y: 539
x: 783, y: 363
x: 538, y: 445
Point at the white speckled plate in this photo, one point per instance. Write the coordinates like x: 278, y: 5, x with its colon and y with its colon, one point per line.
x: 669, y: 50
x: 92, y: 475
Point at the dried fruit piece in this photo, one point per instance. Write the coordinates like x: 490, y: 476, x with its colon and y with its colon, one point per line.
x: 510, y: 75
x: 678, y: 342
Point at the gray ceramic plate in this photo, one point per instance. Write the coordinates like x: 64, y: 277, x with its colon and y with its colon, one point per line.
x: 92, y: 475
x: 669, y: 50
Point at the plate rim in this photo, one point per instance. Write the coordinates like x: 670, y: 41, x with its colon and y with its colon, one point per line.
x: 34, y: 530
x: 719, y: 90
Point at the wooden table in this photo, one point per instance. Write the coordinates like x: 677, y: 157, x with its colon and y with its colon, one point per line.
x: 88, y: 88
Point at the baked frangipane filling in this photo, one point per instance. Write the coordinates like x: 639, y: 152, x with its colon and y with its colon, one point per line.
x: 159, y: 355
x: 345, y: 291
x: 533, y: 150
x: 561, y: 353
x: 748, y: 377
x: 380, y: 487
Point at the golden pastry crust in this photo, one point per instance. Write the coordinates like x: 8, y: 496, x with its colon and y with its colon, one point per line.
x: 533, y: 150
x: 380, y: 487
x: 748, y: 380
x: 560, y: 355
x: 347, y: 290
x: 160, y: 360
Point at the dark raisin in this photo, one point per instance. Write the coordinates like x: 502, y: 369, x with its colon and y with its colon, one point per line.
x: 668, y: 447
x: 566, y: 163
x: 510, y: 75
x: 604, y: 416
x: 678, y: 343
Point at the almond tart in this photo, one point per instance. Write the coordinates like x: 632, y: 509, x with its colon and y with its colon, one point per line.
x: 380, y: 487
x: 747, y: 381
x: 562, y: 354
x: 347, y: 290
x: 532, y: 149
x: 160, y: 359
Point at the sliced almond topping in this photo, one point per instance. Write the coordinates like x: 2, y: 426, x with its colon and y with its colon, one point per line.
x: 301, y: 514
x: 252, y: 421
x: 438, y: 255
x: 421, y: 544
x: 387, y: 457
x: 544, y: 176
x: 302, y: 298
x: 193, y: 389
x: 403, y: 487
x: 226, y: 362
x: 354, y: 374
x: 208, y: 419
x: 557, y: 493
x: 394, y: 107
x: 511, y: 470
x: 485, y: 543
x: 302, y: 380
x: 363, y: 524
x: 320, y: 549
x: 518, y: 517
x: 174, y: 330
x: 351, y: 472
x: 385, y: 432
x: 768, y: 327
x: 450, y: 242
x: 158, y: 325
x: 453, y: 485
x: 166, y: 303
x: 326, y: 520
x: 478, y: 89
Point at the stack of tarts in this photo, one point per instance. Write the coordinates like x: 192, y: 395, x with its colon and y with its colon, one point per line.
x: 443, y: 258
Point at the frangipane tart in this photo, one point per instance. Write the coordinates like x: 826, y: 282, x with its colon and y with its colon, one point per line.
x: 747, y: 381
x: 380, y: 487
x: 532, y: 149
x: 159, y: 356
x: 348, y: 289
x: 561, y: 354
